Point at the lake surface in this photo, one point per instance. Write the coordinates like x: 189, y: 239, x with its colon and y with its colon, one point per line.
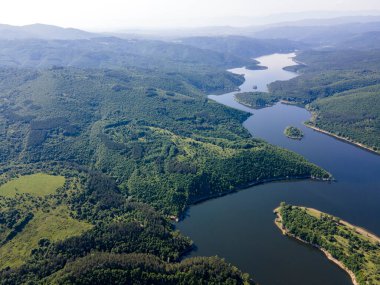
x: 240, y: 227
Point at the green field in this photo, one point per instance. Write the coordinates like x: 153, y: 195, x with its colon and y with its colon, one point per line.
x: 55, y: 225
x: 39, y: 184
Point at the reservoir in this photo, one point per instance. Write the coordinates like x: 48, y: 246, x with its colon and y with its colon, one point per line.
x: 240, y: 227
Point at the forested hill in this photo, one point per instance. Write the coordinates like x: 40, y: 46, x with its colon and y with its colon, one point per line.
x: 122, y: 136
x: 244, y: 47
x: 110, y: 52
x: 113, y: 52
x: 156, y: 134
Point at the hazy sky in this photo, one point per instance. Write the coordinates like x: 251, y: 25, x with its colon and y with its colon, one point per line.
x: 111, y: 14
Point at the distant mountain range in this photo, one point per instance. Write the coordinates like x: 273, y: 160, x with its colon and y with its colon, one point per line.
x: 318, y: 34
x: 236, y: 44
x: 41, y: 31
x: 243, y: 46
x: 253, y: 30
x: 306, y: 30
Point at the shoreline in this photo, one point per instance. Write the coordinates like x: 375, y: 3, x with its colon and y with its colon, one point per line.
x: 182, y: 216
x: 291, y: 103
x: 350, y: 141
x: 278, y: 223
x: 346, y: 140
x: 264, y: 181
x: 358, y: 230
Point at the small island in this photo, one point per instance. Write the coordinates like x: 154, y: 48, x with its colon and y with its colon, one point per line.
x: 256, y: 100
x: 293, y: 133
x: 354, y: 249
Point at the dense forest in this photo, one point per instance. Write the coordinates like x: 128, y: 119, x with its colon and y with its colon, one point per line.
x: 125, y: 135
x: 356, y: 249
x: 146, y: 269
x: 113, y: 52
x: 156, y: 135
x: 354, y: 115
x: 119, y: 228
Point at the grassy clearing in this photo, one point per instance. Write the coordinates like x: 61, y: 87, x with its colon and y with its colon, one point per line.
x: 39, y: 184
x: 360, y: 232
x: 54, y: 225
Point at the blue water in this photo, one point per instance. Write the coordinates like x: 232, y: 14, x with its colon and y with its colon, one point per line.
x: 240, y: 228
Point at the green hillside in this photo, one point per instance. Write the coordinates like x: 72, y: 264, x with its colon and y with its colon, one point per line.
x: 157, y: 135
x: 133, y: 148
x: 353, y: 115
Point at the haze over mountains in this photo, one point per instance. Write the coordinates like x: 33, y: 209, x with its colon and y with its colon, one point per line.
x: 41, y: 31
x: 255, y: 30
x: 41, y: 45
x: 319, y: 33
x: 305, y: 29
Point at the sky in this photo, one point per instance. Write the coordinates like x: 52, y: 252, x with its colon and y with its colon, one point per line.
x: 120, y: 14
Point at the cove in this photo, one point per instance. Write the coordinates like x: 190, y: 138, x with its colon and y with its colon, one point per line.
x: 240, y: 228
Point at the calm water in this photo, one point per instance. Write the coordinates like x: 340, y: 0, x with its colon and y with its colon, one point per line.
x: 240, y: 227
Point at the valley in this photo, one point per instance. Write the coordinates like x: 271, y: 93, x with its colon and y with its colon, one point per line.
x: 136, y: 159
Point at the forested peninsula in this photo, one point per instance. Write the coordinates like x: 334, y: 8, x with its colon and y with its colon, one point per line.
x: 352, y: 248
